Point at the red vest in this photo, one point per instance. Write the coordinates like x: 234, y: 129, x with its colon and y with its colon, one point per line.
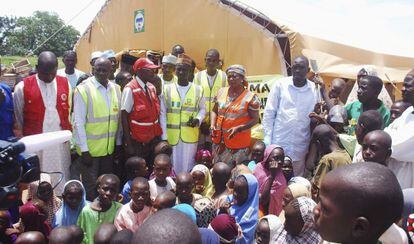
x: 143, y: 119
x: 34, y: 108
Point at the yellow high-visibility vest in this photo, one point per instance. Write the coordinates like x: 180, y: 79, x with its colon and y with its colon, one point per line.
x: 210, y: 92
x: 101, y: 123
x: 178, y: 114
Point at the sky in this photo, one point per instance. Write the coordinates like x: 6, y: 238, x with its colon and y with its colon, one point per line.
x: 379, y: 25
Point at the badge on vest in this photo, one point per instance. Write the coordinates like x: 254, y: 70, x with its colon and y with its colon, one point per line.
x: 175, y: 104
x: 64, y: 97
x: 188, y: 102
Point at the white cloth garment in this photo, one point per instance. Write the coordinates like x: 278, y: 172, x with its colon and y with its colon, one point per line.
x: 127, y: 101
x: 73, y: 78
x: 155, y: 189
x: 357, y: 158
x: 54, y: 158
x: 402, y: 158
x: 286, y: 116
x: 394, y: 235
x: 183, y: 153
x: 80, y: 110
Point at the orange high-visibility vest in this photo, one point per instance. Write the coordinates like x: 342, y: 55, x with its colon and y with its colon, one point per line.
x: 231, y: 114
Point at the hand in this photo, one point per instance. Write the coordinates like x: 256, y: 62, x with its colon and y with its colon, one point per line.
x: 318, y: 81
x: 194, y: 123
x: 273, y: 168
x: 317, y: 117
x: 234, y: 130
x: 224, y: 208
x: 204, y: 128
x: 86, y: 158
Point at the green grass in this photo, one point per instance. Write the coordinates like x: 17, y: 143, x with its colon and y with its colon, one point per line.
x: 8, y: 60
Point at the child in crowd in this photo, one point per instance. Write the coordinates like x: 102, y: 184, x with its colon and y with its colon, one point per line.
x: 333, y: 156
x: 202, y: 179
x: 7, y: 233
x: 287, y: 168
x: 271, y: 180
x: 162, y: 182
x: 74, y: 199
x: 164, y: 200
x: 267, y: 227
x: 76, y: 233
x: 225, y: 227
x: 368, y: 121
x: 44, y: 192
x: 61, y: 235
x: 203, y: 206
x: 134, y: 167
x: 257, y: 154
x: 358, y: 203
x: 294, y: 191
x: 337, y: 87
x: 397, y: 108
x: 203, y: 156
x: 245, y: 206
x: 104, y: 234
x: 221, y: 173
x: 163, y: 147
x: 299, y: 224
x: 134, y: 213
x: 376, y: 147
x: 103, y: 209
x: 31, y: 237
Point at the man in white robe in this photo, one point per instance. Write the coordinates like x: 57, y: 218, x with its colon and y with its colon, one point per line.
x: 54, y: 115
x: 402, y: 134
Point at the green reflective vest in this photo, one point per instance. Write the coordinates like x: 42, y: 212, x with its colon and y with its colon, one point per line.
x: 210, y: 92
x: 178, y: 114
x: 101, y: 123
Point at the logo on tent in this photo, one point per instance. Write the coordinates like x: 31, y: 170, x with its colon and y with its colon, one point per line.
x: 139, y: 21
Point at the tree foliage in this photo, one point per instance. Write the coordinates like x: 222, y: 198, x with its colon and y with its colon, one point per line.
x: 7, y: 25
x: 30, y: 32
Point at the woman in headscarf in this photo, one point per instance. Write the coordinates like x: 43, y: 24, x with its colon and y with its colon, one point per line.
x: 245, y: 206
x: 291, y: 192
x: 203, y: 184
x: 271, y: 180
x: 267, y: 227
x: 44, y: 191
x: 225, y: 227
x: 235, y: 111
x: 301, y: 180
x: 299, y: 224
x: 74, y: 199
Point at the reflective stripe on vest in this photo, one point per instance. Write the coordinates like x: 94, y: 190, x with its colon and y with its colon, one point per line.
x: 209, y: 93
x: 101, y: 123
x: 233, y: 114
x: 179, y: 114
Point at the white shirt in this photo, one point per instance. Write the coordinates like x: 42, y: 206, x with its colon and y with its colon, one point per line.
x: 48, y: 91
x: 127, y: 101
x: 182, y: 91
x: 286, y: 116
x: 80, y: 111
x: 402, y: 158
x: 156, y: 189
x: 73, y: 78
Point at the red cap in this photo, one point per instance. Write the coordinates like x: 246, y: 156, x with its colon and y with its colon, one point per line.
x: 144, y: 63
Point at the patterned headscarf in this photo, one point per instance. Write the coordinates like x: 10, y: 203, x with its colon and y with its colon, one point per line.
x: 208, y: 183
x: 308, y: 234
x: 53, y: 204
